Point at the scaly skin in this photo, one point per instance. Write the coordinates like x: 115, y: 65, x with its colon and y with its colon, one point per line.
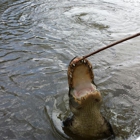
x: 85, y: 102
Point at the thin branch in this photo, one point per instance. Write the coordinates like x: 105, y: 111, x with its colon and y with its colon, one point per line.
x: 113, y: 44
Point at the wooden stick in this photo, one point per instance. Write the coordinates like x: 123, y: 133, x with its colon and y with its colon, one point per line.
x: 113, y: 44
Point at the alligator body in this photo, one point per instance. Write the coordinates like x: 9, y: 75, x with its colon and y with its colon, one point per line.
x: 85, y: 102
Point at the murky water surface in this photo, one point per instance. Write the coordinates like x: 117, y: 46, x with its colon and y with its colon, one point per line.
x: 38, y: 38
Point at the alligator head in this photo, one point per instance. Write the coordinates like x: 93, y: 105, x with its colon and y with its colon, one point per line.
x: 85, y: 102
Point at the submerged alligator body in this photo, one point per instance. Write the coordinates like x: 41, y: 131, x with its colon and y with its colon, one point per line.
x: 85, y: 102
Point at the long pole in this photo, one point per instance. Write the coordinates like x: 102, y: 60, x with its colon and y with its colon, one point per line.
x: 113, y: 44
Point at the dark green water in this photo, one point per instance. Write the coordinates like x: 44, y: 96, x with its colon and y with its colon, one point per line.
x: 38, y: 38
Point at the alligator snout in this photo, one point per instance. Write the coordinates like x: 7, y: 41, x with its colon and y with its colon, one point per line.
x: 85, y: 102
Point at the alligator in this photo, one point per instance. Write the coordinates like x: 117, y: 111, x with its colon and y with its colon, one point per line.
x: 85, y: 103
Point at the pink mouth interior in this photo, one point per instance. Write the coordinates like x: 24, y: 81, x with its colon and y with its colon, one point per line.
x: 83, y: 89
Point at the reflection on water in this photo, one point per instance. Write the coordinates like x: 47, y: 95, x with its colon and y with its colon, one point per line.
x: 38, y: 39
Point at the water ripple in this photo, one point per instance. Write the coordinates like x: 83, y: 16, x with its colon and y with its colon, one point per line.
x: 37, y: 41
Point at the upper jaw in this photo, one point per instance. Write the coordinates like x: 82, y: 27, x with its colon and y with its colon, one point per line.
x: 80, y: 77
x: 79, y: 71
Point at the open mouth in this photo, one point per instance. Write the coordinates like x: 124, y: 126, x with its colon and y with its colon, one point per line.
x: 80, y: 78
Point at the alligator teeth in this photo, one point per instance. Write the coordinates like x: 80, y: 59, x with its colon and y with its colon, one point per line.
x: 83, y: 98
x: 90, y: 66
x: 85, y: 61
x: 73, y: 65
x: 82, y: 60
x: 70, y: 75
